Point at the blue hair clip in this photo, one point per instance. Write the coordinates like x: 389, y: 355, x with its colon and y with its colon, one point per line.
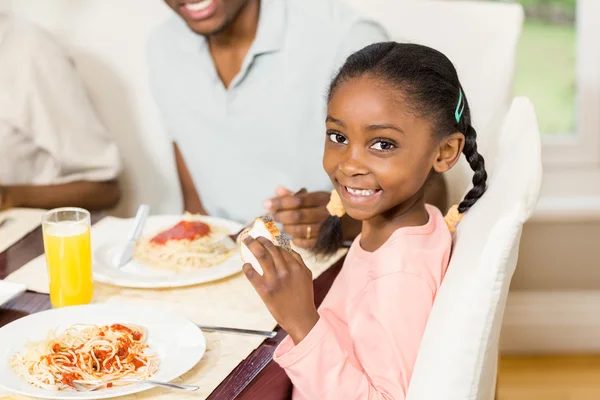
x: 459, y: 110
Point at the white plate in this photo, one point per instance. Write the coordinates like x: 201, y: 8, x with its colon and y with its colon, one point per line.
x: 139, y: 275
x: 10, y: 290
x: 178, y: 343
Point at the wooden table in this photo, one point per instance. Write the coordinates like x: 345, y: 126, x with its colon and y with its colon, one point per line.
x: 257, y: 377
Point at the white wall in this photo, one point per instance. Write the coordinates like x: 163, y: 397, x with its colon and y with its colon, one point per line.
x: 554, y: 304
x: 559, y: 256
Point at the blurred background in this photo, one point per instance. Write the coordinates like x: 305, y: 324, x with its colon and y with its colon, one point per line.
x: 546, y: 63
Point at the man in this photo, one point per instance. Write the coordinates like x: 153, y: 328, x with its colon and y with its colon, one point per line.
x: 54, y: 151
x: 241, y: 85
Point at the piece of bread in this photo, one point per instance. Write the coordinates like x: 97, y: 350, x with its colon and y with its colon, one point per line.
x: 263, y: 227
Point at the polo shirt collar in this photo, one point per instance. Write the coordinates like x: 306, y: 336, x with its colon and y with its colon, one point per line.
x: 269, y: 35
x: 271, y: 27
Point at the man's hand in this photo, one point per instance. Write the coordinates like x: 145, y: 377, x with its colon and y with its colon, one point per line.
x: 301, y: 214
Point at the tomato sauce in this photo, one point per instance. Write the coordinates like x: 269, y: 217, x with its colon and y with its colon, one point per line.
x: 184, y: 230
x: 137, y: 363
x: 68, y: 378
x: 123, y: 348
x: 101, y: 355
x: 119, y: 327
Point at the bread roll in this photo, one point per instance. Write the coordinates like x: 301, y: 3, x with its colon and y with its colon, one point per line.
x: 263, y: 227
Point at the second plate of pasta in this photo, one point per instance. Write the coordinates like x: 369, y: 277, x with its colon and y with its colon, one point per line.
x: 44, y: 354
x: 173, y: 251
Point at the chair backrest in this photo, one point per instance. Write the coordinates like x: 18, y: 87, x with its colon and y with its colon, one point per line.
x: 107, y: 40
x: 481, y: 40
x: 458, y: 355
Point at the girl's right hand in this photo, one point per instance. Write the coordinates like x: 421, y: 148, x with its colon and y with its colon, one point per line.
x: 286, y: 287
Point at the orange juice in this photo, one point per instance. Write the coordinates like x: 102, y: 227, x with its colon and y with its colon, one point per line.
x: 69, y: 260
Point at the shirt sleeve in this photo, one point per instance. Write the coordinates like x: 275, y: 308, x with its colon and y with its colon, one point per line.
x: 360, y: 34
x: 59, y: 117
x: 391, y: 315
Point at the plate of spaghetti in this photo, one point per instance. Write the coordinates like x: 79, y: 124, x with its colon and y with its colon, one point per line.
x: 173, y: 251
x: 45, y: 353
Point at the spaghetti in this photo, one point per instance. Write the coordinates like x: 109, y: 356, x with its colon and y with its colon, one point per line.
x: 190, y: 244
x: 86, y: 354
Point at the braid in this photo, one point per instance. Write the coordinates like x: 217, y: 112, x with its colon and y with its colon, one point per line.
x: 330, y: 237
x: 478, y: 166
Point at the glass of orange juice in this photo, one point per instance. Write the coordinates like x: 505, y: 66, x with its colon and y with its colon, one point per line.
x: 68, y: 256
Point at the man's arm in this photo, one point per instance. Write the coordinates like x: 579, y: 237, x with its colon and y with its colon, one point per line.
x: 89, y: 195
x: 191, y: 199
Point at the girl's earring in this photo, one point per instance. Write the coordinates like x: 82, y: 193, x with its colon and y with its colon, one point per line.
x: 452, y: 218
x: 335, y: 206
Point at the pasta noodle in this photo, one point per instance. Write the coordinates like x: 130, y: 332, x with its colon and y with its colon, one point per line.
x: 190, y: 244
x: 87, y: 354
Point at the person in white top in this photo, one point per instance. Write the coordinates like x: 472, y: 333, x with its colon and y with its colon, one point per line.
x: 54, y: 150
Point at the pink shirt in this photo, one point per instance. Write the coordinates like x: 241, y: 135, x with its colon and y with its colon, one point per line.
x: 365, y: 344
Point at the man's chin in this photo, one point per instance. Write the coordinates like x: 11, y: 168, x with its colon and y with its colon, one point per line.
x: 207, y: 28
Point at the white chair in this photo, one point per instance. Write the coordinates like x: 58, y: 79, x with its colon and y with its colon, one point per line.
x: 458, y: 355
x: 481, y: 40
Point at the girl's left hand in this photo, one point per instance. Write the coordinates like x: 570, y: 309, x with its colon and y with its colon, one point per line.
x: 286, y: 287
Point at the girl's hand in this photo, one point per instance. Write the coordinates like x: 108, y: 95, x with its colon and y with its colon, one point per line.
x: 286, y: 287
x: 301, y: 214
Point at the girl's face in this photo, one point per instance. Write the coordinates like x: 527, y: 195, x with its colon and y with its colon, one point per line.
x: 377, y: 153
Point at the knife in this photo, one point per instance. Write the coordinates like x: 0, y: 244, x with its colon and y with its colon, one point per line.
x: 138, y: 227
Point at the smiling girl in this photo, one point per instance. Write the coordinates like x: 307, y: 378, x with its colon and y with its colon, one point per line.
x: 396, y: 113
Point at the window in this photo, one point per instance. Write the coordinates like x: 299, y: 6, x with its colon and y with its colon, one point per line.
x: 545, y: 70
x: 558, y: 68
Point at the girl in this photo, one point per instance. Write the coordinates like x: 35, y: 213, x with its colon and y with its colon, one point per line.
x: 396, y: 112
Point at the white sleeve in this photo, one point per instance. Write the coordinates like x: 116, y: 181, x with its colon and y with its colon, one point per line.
x: 59, y: 117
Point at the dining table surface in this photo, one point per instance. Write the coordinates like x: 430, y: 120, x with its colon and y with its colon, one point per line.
x: 257, y: 377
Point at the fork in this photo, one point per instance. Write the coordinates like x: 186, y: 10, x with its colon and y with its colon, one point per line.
x: 90, y: 387
x: 267, y: 334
